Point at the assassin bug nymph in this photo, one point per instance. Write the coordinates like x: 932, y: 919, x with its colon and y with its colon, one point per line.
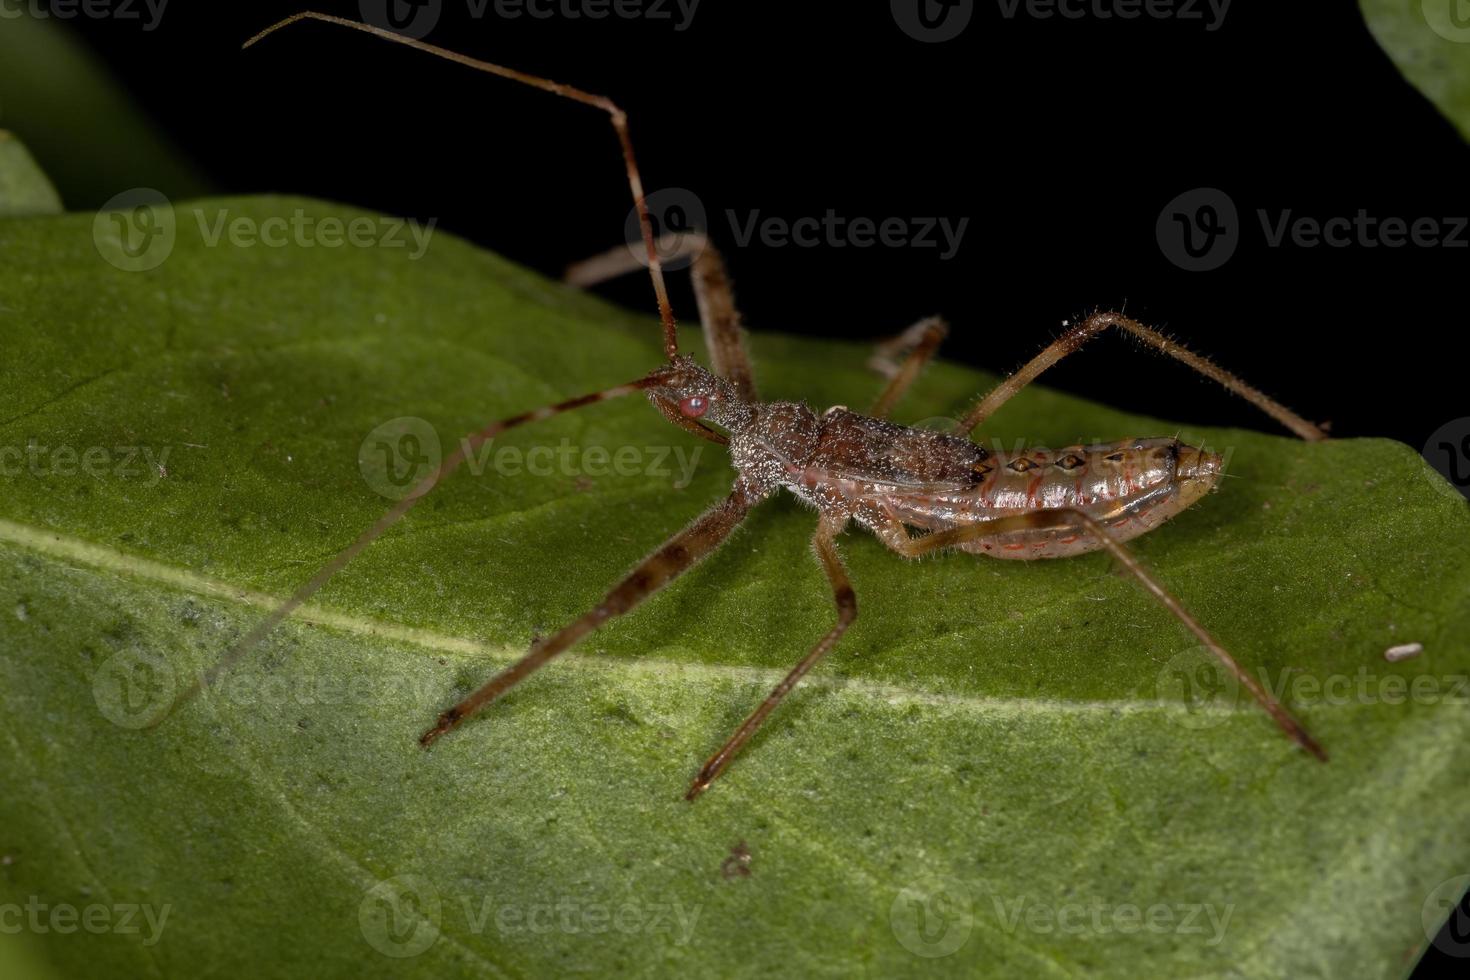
x: 918, y: 490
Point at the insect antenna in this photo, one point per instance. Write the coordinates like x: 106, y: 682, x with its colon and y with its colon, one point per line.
x: 619, y: 122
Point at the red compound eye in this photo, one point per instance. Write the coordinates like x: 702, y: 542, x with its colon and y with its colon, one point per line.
x: 694, y: 406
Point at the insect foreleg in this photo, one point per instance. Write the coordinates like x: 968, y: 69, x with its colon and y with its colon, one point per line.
x: 897, y: 538
x: 1095, y: 324
x: 674, y: 557
x: 846, y: 600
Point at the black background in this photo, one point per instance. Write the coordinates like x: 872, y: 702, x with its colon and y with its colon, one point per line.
x: 1061, y: 140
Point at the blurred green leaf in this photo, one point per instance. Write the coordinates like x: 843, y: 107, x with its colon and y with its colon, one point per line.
x: 88, y: 135
x: 1429, y: 41
x: 24, y: 189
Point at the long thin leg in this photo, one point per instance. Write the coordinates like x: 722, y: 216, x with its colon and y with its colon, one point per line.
x: 1096, y: 324
x: 846, y: 602
x: 916, y: 345
x: 897, y: 538
x: 619, y: 121
x: 724, y: 334
x: 673, y: 558
x: 396, y: 513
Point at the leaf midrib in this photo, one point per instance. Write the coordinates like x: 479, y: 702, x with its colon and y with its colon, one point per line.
x: 58, y: 546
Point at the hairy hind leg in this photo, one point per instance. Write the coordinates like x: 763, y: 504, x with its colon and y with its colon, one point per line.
x: 896, y: 537
x: 824, y: 544
x: 1095, y: 324
x: 724, y: 334
x: 916, y: 345
x: 672, y: 559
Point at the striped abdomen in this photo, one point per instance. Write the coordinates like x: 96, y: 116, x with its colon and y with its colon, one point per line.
x: 1130, y: 487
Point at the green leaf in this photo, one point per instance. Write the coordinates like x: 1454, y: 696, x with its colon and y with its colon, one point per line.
x: 999, y: 763
x: 76, y: 118
x: 1429, y: 41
